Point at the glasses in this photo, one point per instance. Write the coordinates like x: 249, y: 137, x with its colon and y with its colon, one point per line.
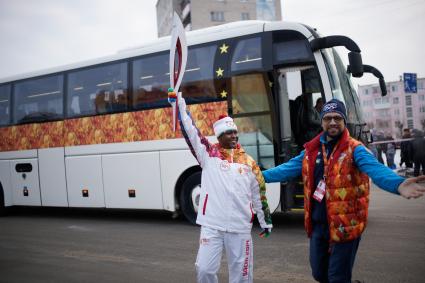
x: 337, y: 119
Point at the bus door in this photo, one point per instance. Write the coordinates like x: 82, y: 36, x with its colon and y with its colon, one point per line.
x: 299, y: 105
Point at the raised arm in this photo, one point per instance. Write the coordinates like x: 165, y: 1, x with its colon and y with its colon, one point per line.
x: 198, y: 144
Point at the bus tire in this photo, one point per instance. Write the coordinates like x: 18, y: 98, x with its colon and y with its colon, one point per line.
x: 189, y: 196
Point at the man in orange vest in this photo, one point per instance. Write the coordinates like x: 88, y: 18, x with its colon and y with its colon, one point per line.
x: 335, y: 169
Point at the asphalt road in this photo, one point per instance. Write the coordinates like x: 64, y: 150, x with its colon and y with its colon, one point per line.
x: 69, y: 245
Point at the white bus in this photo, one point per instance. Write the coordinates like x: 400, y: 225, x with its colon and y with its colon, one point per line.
x: 99, y: 133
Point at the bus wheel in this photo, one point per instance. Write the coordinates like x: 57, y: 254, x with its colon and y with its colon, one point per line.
x: 189, y: 196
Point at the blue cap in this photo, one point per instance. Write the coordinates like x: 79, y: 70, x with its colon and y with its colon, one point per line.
x: 336, y: 106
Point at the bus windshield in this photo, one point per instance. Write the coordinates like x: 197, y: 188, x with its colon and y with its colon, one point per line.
x: 341, y: 85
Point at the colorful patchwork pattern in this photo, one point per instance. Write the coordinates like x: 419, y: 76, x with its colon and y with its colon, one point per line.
x: 32, y: 136
x: 144, y: 125
x: 347, y: 190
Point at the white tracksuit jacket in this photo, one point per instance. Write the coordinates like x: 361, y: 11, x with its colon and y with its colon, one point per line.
x: 232, y: 186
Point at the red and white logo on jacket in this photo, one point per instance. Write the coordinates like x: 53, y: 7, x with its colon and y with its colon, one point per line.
x: 225, y: 165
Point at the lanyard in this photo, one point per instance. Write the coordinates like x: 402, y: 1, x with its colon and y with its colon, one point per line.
x: 325, y: 159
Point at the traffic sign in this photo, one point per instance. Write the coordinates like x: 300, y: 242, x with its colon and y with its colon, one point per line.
x: 410, y: 84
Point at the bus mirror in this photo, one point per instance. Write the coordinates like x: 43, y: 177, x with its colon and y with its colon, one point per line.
x: 354, y: 57
x: 376, y: 73
x: 356, y: 64
x: 383, y: 86
x: 332, y: 41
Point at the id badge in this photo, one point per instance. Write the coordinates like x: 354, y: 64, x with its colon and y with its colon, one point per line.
x: 320, y: 191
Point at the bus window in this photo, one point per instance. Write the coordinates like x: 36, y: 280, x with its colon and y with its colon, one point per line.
x: 151, y: 80
x: 96, y: 90
x: 120, y: 98
x: 251, y: 112
x: 4, y: 105
x: 337, y: 92
x: 350, y: 96
x: 290, y: 47
x: 38, y: 100
x: 198, y: 80
x: 347, y: 94
x: 247, y: 55
x: 249, y: 94
x: 292, y: 51
x: 343, y: 90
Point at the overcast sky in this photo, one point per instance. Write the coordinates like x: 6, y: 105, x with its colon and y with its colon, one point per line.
x: 39, y: 34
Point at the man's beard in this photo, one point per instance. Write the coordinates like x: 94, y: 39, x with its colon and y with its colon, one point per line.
x: 334, y: 132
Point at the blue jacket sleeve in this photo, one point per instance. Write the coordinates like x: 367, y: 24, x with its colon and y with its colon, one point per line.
x: 285, y: 171
x: 380, y: 174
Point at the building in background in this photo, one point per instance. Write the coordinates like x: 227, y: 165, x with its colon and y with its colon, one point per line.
x: 395, y: 111
x: 197, y: 14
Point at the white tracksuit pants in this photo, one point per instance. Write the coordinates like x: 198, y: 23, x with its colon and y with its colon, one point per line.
x: 239, y: 253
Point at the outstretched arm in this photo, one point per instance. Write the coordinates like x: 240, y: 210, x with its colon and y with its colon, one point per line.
x: 411, y: 188
x: 380, y: 174
x: 385, y: 178
x: 285, y: 171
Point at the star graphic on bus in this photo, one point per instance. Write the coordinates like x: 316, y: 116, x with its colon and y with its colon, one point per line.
x: 219, y: 72
x: 223, y: 94
x: 223, y: 48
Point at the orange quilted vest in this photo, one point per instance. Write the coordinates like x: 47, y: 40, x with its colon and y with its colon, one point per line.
x: 347, y: 190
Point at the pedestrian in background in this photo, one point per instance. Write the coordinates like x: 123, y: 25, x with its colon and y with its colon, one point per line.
x: 335, y: 169
x: 418, y: 152
x: 380, y: 148
x: 406, y: 150
x: 390, y: 152
x: 372, y: 146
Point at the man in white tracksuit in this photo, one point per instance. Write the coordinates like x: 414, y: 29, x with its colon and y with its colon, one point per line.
x: 232, y: 189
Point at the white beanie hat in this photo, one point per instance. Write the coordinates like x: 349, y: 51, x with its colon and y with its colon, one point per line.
x: 223, y: 124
